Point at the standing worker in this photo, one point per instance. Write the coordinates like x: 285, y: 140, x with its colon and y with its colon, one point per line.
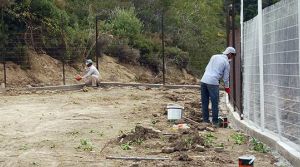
x: 217, y: 68
x: 92, y: 76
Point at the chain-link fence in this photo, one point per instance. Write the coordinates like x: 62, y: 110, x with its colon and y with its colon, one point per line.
x: 132, y: 41
x: 35, y: 59
x: 274, y: 108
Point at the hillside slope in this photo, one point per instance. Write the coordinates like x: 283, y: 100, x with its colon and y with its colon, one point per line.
x: 47, y: 71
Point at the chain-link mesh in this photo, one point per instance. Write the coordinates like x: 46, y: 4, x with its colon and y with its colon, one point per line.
x: 281, y: 68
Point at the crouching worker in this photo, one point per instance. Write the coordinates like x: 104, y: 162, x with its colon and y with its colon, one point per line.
x: 92, y: 76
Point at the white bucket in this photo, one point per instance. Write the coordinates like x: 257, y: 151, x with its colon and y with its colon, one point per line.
x: 175, y: 111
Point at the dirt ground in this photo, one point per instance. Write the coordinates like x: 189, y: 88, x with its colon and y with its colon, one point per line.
x: 51, y: 128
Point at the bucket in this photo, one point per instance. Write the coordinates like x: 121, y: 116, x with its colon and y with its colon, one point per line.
x: 223, y: 122
x: 246, y: 161
x: 175, y: 111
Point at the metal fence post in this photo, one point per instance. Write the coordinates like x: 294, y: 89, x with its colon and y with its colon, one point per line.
x: 234, y: 58
x: 227, y: 23
x: 97, y: 49
x: 63, y: 50
x: 163, y: 45
x: 2, y: 51
x: 241, y: 60
x: 299, y: 37
x: 261, y: 64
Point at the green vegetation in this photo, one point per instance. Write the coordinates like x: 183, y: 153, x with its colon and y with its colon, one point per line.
x: 24, y: 147
x: 129, y: 30
x: 258, y: 146
x: 85, y: 145
x: 209, y: 139
x: 220, y: 145
x: 250, y: 7
x: 238, y: 138
x: 126, y: 146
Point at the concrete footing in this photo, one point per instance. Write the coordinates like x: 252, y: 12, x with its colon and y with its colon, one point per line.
x: 80, y: 86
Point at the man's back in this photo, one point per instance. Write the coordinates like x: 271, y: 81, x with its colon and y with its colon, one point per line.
x: 217, y: 68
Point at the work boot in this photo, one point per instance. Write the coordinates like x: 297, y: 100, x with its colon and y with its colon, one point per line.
x: 215, y: 125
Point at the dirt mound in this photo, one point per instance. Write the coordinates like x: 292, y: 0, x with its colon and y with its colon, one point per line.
x: 187, y: 140
x: 140, y: 133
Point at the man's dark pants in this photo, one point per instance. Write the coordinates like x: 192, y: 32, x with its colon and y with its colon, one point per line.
x: 212, y: 92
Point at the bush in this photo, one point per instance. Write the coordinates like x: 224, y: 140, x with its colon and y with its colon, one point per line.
x: 125, y: 54
x: 124, y: 23
x: 145, y: 45
x: 152, y: 61
x: 179, y: 57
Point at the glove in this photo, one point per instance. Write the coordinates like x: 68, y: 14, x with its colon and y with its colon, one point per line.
x: 227, y: 90
x: 78, y: 77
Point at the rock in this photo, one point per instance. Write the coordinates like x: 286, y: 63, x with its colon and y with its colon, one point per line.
x: 201, y: 128
x: 200, y: 148
x: 210, y: 129
x: 28, y: 86
x: 184, y: 157
x: 155, y: 115
x: 219, y: 149
x: 168, y: 150
x: 85, y: 89
x: 142, y: 88
x: 179, y: 121
x: 134, y: 165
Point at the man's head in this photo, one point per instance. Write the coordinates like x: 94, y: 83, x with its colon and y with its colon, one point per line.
x: 230, y: 52
x: 88, y: 62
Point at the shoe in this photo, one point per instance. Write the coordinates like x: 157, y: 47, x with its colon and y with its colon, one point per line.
x: 215, y: 125
x: 206, y: 123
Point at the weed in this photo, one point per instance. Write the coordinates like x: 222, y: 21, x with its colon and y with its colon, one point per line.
x: 163, y: 138
x: 85, y: 145
x: 52, y: 146
x: 126, y: 146
x: 35, y: 164
x: 24, y: 147
x: 101, y: 134
x: 73, y: 133
x: 238, y: 138
x: 139, y: 141
x: 259, y: 146
x: 220, y: 145
x: 92, y: 131
x: 209, y: 139
x: 188, y: 141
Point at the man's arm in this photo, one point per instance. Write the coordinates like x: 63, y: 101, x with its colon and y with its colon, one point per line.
x: 88, y: 73
x: 226, y: 75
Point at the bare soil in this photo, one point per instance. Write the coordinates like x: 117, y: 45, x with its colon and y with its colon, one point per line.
x: 52, y: 128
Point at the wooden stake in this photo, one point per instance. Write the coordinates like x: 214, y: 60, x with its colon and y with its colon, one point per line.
x: 192, y: 121
x: 138, y: 158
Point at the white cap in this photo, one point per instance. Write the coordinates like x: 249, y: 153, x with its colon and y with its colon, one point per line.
x: 229, y: 50
x: 89, y: 61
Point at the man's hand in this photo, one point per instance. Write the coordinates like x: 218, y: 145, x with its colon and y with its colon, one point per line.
x: 78, y: 77
x: 227, y: 90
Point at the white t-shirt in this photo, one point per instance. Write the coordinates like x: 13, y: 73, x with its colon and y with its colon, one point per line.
x: 91, y: 71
